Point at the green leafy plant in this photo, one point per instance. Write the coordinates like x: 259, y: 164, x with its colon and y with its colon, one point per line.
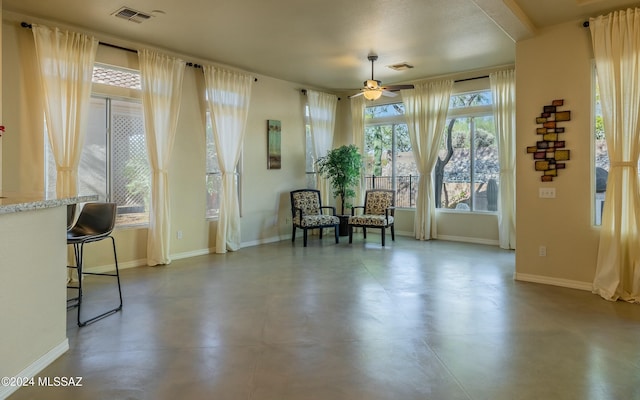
x: 342, y: 167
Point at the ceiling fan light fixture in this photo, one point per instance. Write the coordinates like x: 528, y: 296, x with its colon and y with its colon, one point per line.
x: 373, y: 94
x: 372, y: 84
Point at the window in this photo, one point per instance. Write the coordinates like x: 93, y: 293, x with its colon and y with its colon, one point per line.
x: 467, y: 171
x: 388, y: 158
x: 114, y: 163
x: 310, y: 155
x: 213, y: 175
x: 466, y: 174
x: 601, y: 155
x: 213, y: 179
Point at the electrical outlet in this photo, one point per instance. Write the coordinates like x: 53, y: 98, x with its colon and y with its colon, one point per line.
x: 547, y: 193
x: 542, y: 251
x: 179, y: 235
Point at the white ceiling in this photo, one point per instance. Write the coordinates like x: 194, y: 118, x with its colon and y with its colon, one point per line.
x: 325, y: 43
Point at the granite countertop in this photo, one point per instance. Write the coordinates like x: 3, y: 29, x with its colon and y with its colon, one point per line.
x: 15, y: 202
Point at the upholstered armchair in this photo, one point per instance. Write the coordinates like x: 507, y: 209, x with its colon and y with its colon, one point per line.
x: 309, y: 213
x: 377, y: 212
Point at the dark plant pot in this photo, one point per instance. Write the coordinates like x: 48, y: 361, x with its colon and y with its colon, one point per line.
x: 344, y: 225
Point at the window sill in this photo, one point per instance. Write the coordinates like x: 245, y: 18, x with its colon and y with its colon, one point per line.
x: 454, y: 211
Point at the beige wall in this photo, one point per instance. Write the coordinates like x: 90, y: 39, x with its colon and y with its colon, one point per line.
x: 265, y: 201
x: 265, y: 193
x: 556, y: 64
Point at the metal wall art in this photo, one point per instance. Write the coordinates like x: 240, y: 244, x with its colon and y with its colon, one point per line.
x: 549, y: 153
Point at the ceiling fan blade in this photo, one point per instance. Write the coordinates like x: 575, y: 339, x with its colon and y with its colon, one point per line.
x: 387, y: 93
x: 397, y: 87
x: 356, y: 95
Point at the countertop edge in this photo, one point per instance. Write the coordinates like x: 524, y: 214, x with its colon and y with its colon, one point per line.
x: 16, y: 204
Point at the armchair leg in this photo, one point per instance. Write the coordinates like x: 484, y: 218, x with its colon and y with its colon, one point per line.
x: 304, y: 237
x: 364, y: 232
x: 336, y: 229
x: 320, y: 233
x: 293, y: 235
x: 393, y: 233
x: 383, y: 236
x: 350, y: 234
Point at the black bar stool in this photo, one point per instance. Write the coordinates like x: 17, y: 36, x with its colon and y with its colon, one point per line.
x: 95, y: 222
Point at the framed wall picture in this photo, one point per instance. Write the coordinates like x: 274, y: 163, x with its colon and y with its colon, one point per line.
x: 274, y: 138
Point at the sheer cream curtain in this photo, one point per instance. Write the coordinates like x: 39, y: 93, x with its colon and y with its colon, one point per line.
x: 228, y: 96
x: 322, y: 118
x: 357, y: 125
x: 161, y: 97
x: 66, y: 68
x: 616, y: 46
x: 426, y: 109
x: 503, y: 88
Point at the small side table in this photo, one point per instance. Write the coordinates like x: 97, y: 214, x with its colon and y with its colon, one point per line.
x: 344, y: 225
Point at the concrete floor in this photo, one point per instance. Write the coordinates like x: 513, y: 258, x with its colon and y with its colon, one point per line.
x: 415, y: 320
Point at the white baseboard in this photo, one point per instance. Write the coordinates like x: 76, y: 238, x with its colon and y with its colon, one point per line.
x: 141, y: 263
x: 272, y: 239
x: 195, y: 253
x: 34, y: 369
x: 566, y: 283
x: 465, y: 239
x: 121, y: 265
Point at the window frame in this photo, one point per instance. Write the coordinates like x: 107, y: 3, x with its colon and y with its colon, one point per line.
x: 207, y: 173
x: 474, y: 111
x: 393, y: 121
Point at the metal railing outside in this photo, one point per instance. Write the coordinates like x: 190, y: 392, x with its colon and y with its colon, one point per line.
x: 406, y: 188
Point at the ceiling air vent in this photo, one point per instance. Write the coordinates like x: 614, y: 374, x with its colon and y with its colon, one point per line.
x: 131, y: 15
x: 400, y: 67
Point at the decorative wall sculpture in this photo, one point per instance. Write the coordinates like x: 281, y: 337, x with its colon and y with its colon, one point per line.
x: 549, y: 153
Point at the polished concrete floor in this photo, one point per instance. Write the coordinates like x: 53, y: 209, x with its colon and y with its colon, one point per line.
x: 415, y: 320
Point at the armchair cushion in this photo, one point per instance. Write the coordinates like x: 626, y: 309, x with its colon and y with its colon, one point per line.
x: 370, y: 220
x: 309, y: 221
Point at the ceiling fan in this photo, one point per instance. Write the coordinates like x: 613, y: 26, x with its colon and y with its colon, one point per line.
x: 372, y: 89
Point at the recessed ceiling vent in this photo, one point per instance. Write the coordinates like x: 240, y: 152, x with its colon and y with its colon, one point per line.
x: 132, y: 15
x: 400, y: 67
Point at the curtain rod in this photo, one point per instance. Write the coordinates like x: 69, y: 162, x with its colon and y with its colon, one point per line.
x: 115, y: 46
x: 471, y: 79
x: 304, y: 92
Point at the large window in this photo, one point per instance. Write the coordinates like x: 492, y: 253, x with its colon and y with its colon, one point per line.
x: 388, y: 159
x: 113, y: 163
x: 467, y: 169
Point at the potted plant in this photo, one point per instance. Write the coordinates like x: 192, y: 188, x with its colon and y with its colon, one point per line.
x: 342, y: 167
